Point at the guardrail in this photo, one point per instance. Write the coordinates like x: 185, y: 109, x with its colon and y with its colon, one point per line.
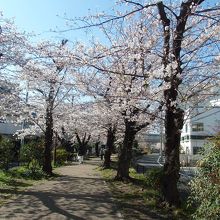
x: 142, y: 166
x: 159, y: 159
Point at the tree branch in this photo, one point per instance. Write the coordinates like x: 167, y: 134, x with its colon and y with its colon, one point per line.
x: 111, y: 19
x: 166, y: 26
x: 134, y: 3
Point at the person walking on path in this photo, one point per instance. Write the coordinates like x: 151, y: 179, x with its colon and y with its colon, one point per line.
x: 97, y: 148
x: 102, y: 152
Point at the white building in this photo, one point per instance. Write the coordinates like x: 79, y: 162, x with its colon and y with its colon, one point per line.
x: 200, y: 124
x: 6, y: 126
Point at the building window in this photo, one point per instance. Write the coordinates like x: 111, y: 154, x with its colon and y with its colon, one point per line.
x: 197, y: 127
x: 196, y: 137
x: 186, y: 128
x: 196, y: 150
x: 185, y: 138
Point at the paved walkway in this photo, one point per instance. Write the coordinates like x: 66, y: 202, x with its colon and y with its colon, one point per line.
x: 79, y: 194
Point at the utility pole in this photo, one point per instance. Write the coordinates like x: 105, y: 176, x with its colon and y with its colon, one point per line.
x: 23, y: 123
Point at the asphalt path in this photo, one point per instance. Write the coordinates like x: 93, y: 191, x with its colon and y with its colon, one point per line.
x: 79, y: 193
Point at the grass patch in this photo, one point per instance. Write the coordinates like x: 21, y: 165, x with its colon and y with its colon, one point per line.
x: 17, y: 179
x: 9, y: 181
x: 23, y: 172
x: 139, y: 198
x: 10, y: 186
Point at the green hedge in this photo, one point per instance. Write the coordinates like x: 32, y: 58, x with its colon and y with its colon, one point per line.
x: 205, y: 187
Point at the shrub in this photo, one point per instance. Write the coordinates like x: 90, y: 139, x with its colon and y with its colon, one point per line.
x: 61, y: 156
x: 18, y: 172
x: 32, y: 172
x: 34, y: 166
x: 205, y: 187
x: 154, y: 178
x: 6, y: 152
x: 32, y: 151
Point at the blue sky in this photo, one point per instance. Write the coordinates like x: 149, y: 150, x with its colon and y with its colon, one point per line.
x: 42, y: 15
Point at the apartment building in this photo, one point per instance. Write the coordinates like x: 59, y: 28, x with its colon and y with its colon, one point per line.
x: 200, y: 124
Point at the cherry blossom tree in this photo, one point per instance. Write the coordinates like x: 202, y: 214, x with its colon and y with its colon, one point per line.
x: 97, y: 86
x: 186, y: 50
x: 49, y: 86
x: 12, y: 57
x: 187, y: 37
x: 121, y: 68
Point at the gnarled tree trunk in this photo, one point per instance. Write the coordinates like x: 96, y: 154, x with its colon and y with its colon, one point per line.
x: 173, y: 125
x: 173, y: 114
x: 82, y: 143
x: 125, y: 154
x: 109, y: 147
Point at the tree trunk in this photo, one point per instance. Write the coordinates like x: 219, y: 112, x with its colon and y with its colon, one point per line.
x: 55, y: 150
x: 47, y: 167
x: 125, y: 154
x: 55, y: 155
x: 48, y: 145
x: 109, y: 147
x: 173, y: 126
x: 82, y: 143
x: 173, y: 114
x: 97, y: 148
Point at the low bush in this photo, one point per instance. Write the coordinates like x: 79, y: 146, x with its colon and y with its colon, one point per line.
x: 205, y: 187
x: 27, y: 173
x: 61, y: 156
x: 6, y: 152
x: 154, y: 178
x: 32, y: 151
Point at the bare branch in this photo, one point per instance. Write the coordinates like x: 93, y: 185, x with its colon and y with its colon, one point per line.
x: 205, y: 16
x: 171, y: 11
x: 134, y: 3
x: 114, y: 18
x: 209, y: 9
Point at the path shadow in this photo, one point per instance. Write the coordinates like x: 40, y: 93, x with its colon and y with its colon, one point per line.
x: 68, y: 196
x: 71, y: 197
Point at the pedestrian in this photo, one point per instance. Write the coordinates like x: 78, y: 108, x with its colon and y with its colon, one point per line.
x: 97, y: 148
x: 80, y: 154
x: 80, y: 158
x: 102, y: 152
